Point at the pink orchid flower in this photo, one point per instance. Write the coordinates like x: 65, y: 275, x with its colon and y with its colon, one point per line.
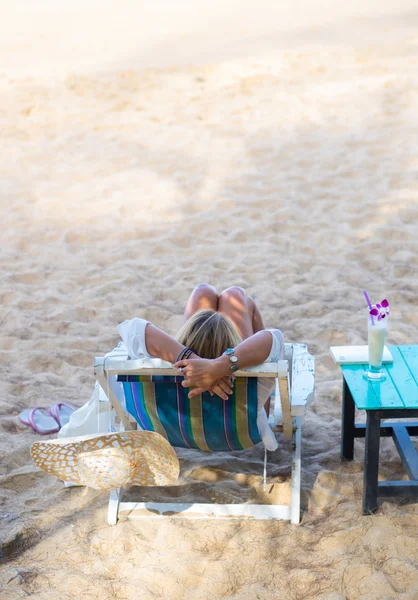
x: 380, y: 310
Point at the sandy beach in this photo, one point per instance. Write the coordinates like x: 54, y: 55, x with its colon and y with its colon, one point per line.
x: 145, y: 150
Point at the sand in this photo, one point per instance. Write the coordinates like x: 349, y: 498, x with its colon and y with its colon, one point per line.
x: 207, y: 144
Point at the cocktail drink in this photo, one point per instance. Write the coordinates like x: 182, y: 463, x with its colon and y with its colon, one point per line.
x: 377, y: 324
x: 376, y: 337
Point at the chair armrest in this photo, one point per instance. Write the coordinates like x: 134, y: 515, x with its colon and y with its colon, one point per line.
x: 303, y: 379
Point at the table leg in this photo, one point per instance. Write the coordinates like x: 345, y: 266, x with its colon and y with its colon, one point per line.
x: 371, y: 463
x: 347, y: 424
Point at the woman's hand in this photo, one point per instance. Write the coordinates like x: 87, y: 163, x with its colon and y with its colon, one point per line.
x: 222, y: 386
x: 203, y: 374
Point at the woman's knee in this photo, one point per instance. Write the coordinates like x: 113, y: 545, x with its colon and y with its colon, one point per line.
x: 234, y: 303
x: 234, y: 296
x: 204, y: 290
x: 203, y: 296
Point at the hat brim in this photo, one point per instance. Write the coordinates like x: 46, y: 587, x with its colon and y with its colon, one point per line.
x: 155, y: 462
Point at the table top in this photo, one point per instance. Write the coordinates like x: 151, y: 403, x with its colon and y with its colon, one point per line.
x: 399, y: 389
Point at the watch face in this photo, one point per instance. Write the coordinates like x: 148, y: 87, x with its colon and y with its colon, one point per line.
x: 233, y: 359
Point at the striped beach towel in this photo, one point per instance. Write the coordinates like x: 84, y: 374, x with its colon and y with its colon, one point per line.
x: 205, y: 422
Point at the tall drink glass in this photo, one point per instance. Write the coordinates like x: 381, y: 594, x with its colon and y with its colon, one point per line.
x: 376, y: 337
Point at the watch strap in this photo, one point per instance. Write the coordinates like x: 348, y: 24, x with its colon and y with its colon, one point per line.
x: 233, y: 359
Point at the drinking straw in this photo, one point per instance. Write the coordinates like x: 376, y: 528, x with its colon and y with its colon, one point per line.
x: 369, y: 304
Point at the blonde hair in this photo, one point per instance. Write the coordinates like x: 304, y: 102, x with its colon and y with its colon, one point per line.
x: 208, y: 333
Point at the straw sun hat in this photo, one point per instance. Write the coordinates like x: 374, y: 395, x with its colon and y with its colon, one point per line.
x: 110, y: 460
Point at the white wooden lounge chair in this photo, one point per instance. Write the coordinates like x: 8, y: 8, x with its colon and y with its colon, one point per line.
x: 147, y: 394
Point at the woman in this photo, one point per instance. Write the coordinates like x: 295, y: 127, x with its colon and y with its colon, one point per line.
x: 221, y: 333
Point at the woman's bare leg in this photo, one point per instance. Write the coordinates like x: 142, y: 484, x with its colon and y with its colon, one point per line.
x: 257, y: 319
x: 203, y: 296
x: 235, y: 304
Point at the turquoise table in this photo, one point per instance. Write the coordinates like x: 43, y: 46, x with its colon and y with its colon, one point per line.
x: 394, y: 398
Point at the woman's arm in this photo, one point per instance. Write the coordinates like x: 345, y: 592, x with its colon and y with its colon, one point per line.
x: 160, y: 344
x: 202, y: 373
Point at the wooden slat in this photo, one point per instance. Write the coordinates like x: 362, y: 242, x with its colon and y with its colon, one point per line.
x: 296, y: 472
x: 288, y: 350
x: 160, y: 367
x: 114, y: 400
x: 386, y: 428
x: 386, y: 392
x: 286, y: 413
x: 406, y: 449
x: 138, y: 510
x: 410, y: 357
x: 274, y: 369
x: 370, y: 395
x: 363, y: 393
x: 402, y: 378
x: 400, y: 489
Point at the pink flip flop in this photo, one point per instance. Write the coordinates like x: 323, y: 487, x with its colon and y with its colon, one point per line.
x: 40, y: 420
x: 61, y: 412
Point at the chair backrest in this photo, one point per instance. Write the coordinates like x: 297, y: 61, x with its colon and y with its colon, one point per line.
x: 155, y: 398
x: 205, y: 422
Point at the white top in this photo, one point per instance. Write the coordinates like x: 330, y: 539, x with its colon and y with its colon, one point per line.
x: 132, y: 333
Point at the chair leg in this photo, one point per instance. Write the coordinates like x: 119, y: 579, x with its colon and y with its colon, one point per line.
x: 113, y: 510
x: 296, y: 471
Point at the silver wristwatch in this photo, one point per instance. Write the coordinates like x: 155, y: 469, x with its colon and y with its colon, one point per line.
x: 233, y: 359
